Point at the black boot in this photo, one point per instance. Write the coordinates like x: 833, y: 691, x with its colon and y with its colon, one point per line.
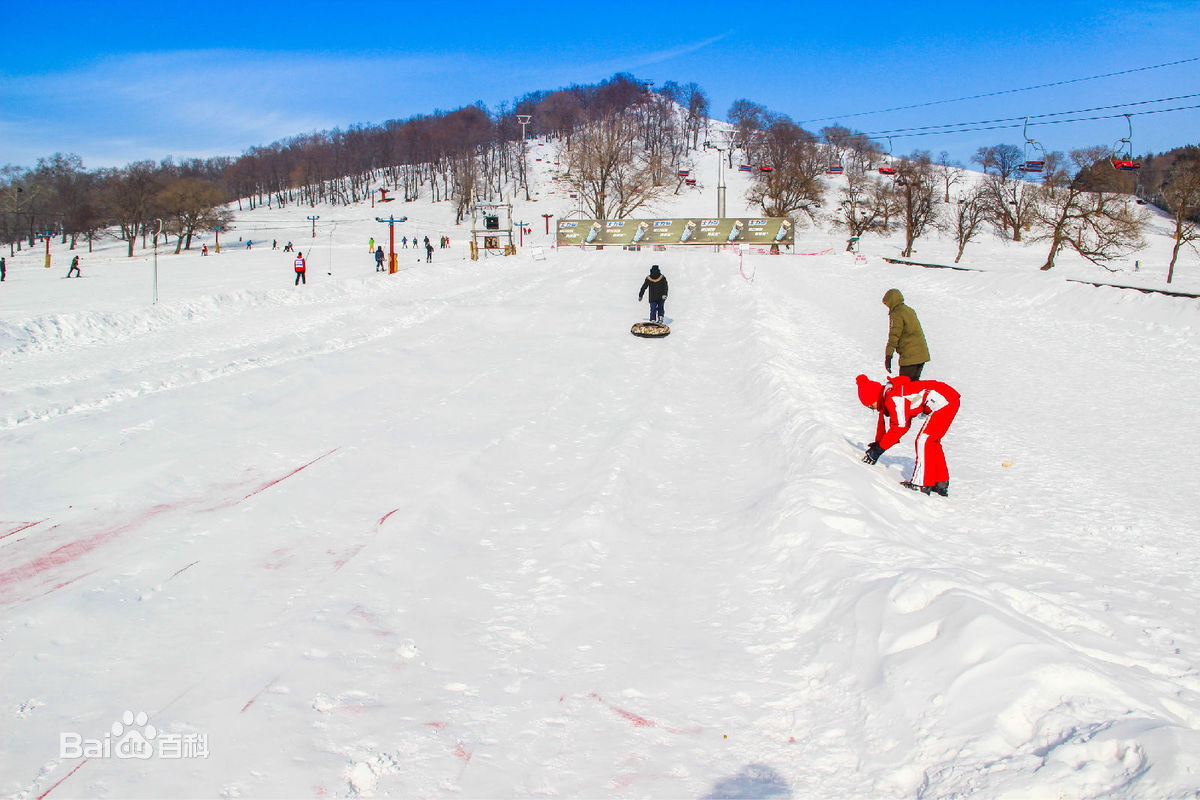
x: 941, y: 487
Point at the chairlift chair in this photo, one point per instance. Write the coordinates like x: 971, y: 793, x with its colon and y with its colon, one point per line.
x: 1122, y: 158
x: 1036, y: 163
x: 887, y: 168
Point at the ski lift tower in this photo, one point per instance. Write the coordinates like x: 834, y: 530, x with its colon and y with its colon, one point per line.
x: 492, y: 228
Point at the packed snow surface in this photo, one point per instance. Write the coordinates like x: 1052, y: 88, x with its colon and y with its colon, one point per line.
x: 454, y: 532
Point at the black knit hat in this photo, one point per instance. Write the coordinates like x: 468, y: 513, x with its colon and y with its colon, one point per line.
x: 654, y: 270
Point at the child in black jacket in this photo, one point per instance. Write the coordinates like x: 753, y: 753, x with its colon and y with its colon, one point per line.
x: 656, y: 283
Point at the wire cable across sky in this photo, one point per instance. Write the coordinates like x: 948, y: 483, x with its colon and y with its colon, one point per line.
x: 1005, y: 91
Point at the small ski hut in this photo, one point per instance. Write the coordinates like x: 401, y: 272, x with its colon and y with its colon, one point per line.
x: 492, y: 229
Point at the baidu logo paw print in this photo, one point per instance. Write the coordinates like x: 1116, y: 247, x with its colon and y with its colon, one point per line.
x: 132, y: 736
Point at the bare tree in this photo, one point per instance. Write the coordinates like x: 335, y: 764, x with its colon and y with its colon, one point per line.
x: 950, y: 173
x: 857, y: 212
x: 1095, y: 222
x: 793, y: 183
x: 191, y: 205
x: 1010, y: 206
x: 1001, y: 160
x: 916, y: 185
x: 130, y: 192
x: 966, y: 218
x: 1181, y: 191
x: 607, y: 168
x: 748, y: 119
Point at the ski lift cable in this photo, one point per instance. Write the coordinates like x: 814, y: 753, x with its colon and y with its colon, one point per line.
x: 1045, y: 122
x: 894, y: 131
x: 1005, y: 91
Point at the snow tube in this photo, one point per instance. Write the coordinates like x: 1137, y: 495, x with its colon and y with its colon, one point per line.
x: 649, y: 330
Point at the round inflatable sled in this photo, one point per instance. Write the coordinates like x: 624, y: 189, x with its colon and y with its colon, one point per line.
x: 649, y: 330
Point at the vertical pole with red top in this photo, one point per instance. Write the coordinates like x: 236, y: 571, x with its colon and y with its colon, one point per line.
x: 391, y: 223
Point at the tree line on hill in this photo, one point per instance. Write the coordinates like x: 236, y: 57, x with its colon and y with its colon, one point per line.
x: 622, y: 145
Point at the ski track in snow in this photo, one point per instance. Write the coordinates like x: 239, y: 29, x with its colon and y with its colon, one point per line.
x: 464, y: 535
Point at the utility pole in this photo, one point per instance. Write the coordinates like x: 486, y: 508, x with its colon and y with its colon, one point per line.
x: 521, y: 224
x: 524, y: 120
x: 391, y: 223
x: 314, y: 224
x: 157, y: 233
x: 547, y: 218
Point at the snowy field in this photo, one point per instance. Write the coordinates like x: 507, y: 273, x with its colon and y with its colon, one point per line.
x: 454, y: 532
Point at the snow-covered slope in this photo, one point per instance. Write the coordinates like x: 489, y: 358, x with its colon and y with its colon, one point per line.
x: 455, y: 532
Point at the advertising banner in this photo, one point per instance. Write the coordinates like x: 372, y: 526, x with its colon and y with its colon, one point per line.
x: 762, y: 231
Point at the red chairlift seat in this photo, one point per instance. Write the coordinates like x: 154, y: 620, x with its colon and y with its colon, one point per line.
x: 745, y: 168
x: 887, y: 170
x: 836, y: 169
x: 1033, y: 166
x: 1125, y: 164
x: 764, y: 168
x: 683, y: 173
x: 690, y: 181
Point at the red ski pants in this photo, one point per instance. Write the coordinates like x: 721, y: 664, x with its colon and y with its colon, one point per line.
x: 930, y: 466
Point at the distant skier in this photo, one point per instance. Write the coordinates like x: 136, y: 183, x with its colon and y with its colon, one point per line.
x: 656, y: 283
x: 3, y: 269
x: 904, y: 337
x: 379, y: 258
x: 898, y: 404
x: 75, y: 268
x: 204, y: 250
x: 287, y: 248
x: 404, y: 242
x: 428, y: 251
x: 300, y: 269
x: 371, y: 244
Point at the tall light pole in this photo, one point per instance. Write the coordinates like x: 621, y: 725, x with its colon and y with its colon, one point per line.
x: 720, y: 177
x: 157, y: 232
x: 524, y: 119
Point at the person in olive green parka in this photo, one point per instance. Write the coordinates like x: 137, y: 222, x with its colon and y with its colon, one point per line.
x: 904, y: 337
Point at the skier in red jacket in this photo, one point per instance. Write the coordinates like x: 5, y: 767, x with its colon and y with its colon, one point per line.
x: 899, y: 404
x: 300, y: 269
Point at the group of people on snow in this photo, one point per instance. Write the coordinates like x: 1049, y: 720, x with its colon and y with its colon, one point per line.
x: 901, y: 402
x: 904, y: 401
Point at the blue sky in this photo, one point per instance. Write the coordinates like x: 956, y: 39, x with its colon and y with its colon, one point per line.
x: 114, y: 84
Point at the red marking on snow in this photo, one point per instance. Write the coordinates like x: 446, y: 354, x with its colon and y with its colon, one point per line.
x: 282, y: 556
x: 345, y: 559
x: 250, y: 702
x: 269, y: 484
x: 68, y: 582
x: 26, y: 525
x: 63, y: 778
x: 438, y: 725
x: 462, y: 753
x: 638, y: 720
x: 318, y: 791
x: 67, y: 553
x: 383, y: 519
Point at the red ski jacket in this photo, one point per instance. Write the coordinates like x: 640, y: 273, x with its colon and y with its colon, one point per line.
x: 299, y: 265
x: 904, y: 399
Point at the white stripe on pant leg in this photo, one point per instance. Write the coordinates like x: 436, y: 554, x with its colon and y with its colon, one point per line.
x: 919, y: 465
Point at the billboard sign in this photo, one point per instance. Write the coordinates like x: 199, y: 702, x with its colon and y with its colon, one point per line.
x: 760, y: 231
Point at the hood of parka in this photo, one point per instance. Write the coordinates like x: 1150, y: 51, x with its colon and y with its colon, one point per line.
x: 892, y: 298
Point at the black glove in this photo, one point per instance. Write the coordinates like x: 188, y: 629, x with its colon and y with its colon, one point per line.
x: 873, y: 453
x: 887, y: 363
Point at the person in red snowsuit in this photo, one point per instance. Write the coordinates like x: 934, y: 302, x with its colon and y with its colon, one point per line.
x: 901, y: 403
x: 299, y: 263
